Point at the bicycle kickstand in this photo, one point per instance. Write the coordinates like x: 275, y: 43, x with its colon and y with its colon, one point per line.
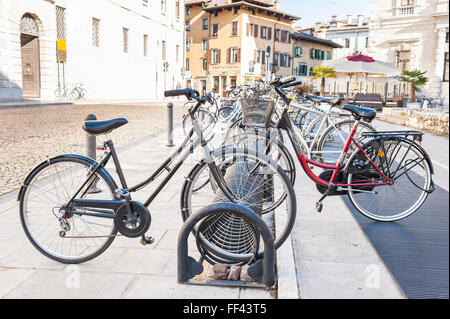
x: 319, y: 204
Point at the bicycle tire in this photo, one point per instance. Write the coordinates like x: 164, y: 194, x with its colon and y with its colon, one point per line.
x: 284, y: 213
x: 29, y: 189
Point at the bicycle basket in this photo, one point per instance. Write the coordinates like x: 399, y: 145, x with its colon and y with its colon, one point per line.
x: 257, y: 112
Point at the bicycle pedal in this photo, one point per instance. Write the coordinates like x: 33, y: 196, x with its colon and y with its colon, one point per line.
x: 319, y: 207
x: 147, y: 240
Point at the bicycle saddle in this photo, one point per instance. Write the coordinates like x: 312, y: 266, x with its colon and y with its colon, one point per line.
x: 362, y: 112
x: 101, y: 127
x: 334, y: 102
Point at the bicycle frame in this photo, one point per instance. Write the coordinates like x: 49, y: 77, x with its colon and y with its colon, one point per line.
x: 299, y: 144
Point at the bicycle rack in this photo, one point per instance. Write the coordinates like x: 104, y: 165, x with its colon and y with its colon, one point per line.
x: 188, y: 267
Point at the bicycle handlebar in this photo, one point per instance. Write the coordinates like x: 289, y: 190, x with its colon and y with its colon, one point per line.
x: 189, y: 93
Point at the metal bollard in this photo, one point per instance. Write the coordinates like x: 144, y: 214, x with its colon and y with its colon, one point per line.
x: 91, y: 148
x: 170, y: 125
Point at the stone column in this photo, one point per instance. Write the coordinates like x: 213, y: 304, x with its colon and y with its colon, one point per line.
x: 438, y: 72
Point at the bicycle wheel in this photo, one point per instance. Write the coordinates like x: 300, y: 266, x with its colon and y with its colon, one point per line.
x: 224, y: 112
x: 277, y: 151
x: 333, y: 140
x: 403, y: 162
x: 206, y: 120
x: 65, y: 236
x: 256, y: 182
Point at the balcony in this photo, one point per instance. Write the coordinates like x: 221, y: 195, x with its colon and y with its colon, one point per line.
x: 405, y: 10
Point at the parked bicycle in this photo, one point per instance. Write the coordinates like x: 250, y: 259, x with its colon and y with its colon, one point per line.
x: 69, y: 222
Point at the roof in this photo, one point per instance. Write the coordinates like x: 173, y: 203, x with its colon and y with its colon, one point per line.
x: 307, y: 37
x: 251, y: 4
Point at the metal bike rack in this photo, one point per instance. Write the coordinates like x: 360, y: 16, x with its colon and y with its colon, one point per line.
x: 188, y: 267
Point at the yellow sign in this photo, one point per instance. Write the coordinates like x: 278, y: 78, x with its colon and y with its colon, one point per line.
x: 61, y: 44
x: 380, y: 154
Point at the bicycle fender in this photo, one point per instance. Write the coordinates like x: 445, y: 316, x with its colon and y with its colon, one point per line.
x: 88, y: 159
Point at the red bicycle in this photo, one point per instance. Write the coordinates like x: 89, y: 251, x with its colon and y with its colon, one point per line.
x: 387, y: 178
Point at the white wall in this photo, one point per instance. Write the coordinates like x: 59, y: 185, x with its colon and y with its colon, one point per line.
x: 106, y: 71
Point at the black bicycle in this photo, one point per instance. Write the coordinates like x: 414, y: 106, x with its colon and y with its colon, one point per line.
x: 71, y: 208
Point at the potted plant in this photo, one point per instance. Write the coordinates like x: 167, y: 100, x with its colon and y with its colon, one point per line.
x: 323, y: 72
x: 416, y: 79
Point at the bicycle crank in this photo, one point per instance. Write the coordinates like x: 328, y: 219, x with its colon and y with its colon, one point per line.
x: 132, y: 226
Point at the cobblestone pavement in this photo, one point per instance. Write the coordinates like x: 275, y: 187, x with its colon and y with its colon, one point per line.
x: 29, y: 135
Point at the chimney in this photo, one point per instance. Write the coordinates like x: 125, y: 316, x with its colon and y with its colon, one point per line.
x: 360, y: 20
x: 349, y: 19
x: 276, y: 5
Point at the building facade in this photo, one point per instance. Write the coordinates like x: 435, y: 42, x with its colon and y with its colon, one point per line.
x: 118, y: 49
x: 231, y: 42
x: 352, y: 34
x: 309, y: 52
x: 414, y: 34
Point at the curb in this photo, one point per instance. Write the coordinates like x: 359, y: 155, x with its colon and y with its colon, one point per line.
x: 286, y: 271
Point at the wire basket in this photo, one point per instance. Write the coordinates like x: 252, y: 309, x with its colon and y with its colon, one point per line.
x: 257, y: 112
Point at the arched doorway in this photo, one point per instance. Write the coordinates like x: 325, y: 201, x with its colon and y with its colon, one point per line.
x: 29, y: 42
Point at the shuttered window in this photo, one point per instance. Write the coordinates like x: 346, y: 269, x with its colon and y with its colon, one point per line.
x: 125, y: 39
x: 145, y: 44
x: 95, y: 32
x: 60, y: 23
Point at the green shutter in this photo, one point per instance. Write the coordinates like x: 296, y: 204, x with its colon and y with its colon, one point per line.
x: 313, y: 56
x: 322, y: 55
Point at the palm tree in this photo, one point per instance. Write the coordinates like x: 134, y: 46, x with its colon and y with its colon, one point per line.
x: 416, y: 79
x: 323, y: 72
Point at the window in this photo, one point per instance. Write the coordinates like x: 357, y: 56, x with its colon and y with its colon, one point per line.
x: 347, y: 43
x: 250, y: 28
x: 145, y: 3
x: 284, y: 36
x: 235, y: 10
x: 177, y: 9
x: 234, y: 28
x: 329, y: 55
x: 259, y: 56
x: 205, y: 24
x: 322, y: 55
x: 312, y: 53
x: 145, y: 44
x: 177, y: 53
x: 163, y: 50
x: 216, y: 14
x: 187, y: 25
x: 188, y: 11
x: 263, y: 32
x: 95, y: 32
x: 255, y: 30
x: 188, y: 65
x: 125, y: 39
x: 204, y: 65
x: 311, y: 73
x: 298, y: 52
x: 215, y: 30
x: 60, y: 23
x: 276, y: 59
x: 302, y: 70
x: 205, y: 44
x: 403, y: 59
x: 446, y: 66
x: 285, y: 60
x: 407, y: 7
x: 188, y: 44
x: 367, y: 42
x: 234, y: 55
x: 163, y: 6
x: 215, y: 56
x: 277, y: 35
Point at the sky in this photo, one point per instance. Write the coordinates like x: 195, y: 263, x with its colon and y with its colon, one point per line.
x: 311, y: 11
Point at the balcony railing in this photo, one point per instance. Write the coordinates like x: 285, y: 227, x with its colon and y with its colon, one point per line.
x: 405, y: 10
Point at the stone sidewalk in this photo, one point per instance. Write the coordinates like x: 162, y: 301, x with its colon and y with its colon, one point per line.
x: 126, y: 269
x: 326, y: 255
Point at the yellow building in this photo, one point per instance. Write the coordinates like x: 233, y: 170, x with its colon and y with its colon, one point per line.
x: 232, y: 42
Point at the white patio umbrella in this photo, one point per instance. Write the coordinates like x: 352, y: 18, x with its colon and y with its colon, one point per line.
x: 362, y: 64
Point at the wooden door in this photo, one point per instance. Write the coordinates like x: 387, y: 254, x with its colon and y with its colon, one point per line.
x: 31, y: 83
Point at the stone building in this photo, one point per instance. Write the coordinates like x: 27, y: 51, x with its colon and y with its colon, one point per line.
x: 117, y: 49
x: 413, y: 34
x: 234, y: 42
x: 351, y: 34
